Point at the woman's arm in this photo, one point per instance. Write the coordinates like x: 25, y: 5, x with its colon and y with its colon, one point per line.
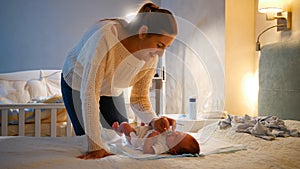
x: 140, y: 102
x: 139, y: 98
x: 92, y: 79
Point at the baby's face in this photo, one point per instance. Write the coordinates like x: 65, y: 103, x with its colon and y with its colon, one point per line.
x: 174, y: 138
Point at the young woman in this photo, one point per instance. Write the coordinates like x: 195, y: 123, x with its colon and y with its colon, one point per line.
x: 111, y: 56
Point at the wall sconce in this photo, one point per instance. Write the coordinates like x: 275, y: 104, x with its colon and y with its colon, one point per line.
x: 274, y: 9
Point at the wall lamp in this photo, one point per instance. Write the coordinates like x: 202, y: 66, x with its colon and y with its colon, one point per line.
x: 274, y: 9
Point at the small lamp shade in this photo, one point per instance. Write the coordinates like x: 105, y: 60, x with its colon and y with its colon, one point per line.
x: 270, y: 6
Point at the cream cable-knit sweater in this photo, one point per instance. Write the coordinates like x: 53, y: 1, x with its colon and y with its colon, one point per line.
x: 99, y: 65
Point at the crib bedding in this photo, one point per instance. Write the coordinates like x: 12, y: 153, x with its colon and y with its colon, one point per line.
x: 29, y: 118
x: 61, y: 129
x: 30, y: 112
x: 60, y: 152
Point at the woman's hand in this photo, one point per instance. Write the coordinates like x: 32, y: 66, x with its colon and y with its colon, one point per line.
x: 163, y: 124
x: 94, y: 154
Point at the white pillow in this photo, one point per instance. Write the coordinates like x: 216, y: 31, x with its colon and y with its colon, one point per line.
x: 14, y: 91
x: 23, y: 86
x: 36, y: 88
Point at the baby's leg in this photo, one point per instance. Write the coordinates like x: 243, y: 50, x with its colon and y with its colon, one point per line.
x: 123, y: 128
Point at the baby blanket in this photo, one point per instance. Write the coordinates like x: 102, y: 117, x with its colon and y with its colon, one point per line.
x: 208, y: 145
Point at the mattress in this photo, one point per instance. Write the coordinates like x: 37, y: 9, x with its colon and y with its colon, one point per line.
x: 60, y: 152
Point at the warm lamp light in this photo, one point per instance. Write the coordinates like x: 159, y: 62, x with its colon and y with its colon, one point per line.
x: 274, y: 9
x: 270, y: 6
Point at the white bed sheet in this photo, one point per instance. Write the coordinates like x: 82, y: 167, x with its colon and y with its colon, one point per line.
x: 60, y: 152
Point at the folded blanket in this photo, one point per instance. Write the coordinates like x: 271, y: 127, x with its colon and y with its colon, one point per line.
x: 266, y: 127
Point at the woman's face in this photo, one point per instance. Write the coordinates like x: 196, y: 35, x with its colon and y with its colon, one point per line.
x: 150, y: 46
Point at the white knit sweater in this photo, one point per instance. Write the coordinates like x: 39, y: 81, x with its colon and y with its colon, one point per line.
x: 99, y: 65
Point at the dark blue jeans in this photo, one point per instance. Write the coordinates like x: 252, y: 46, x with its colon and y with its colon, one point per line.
x: 111, y: 108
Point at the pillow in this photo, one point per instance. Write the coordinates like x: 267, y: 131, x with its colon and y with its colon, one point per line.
x: 36, y: 88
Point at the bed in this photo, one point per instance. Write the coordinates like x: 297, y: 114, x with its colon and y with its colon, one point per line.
x: 60, y: 152
x: 222, y: 146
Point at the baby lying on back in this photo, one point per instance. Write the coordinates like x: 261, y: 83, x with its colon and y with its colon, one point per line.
x: 152, y: 142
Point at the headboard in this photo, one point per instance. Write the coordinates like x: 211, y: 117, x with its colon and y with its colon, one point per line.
x: 279, y: 80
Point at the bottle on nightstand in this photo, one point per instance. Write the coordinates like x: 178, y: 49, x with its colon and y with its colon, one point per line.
x: 192, y: 108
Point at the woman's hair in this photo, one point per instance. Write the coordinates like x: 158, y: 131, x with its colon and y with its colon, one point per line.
x: 159, y: 21
x: 156, y: 19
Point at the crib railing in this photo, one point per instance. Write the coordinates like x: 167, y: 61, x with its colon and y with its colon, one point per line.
x: 37, y: 107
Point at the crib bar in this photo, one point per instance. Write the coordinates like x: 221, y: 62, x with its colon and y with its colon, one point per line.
x: 37, y: 126
x: 4, y: 122
x: 53, y: 122
x: 21, y: 122
x: 69, y: 126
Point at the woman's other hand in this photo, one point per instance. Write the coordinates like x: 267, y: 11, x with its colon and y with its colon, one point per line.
x: 163, y: 124
x: 94, y: 154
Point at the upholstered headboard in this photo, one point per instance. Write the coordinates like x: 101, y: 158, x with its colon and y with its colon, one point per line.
x: 279, y: 80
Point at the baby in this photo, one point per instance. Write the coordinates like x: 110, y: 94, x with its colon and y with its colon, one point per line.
x: 152, y: 142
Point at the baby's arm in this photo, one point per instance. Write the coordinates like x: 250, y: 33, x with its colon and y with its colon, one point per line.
x: 149, y: 142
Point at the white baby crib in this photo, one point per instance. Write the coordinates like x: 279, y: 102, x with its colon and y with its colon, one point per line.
x: 5, y: 127
x: 31, y: 104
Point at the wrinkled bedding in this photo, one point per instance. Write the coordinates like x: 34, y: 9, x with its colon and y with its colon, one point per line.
x: 61, y: 114
x: 265, y: 127
x: 60, y: 152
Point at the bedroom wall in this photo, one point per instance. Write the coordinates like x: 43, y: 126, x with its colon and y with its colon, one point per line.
x: 240, y: 55
x: 36, y: 34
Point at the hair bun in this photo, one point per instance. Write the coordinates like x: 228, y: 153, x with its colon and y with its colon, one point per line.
x: 148, y: 7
